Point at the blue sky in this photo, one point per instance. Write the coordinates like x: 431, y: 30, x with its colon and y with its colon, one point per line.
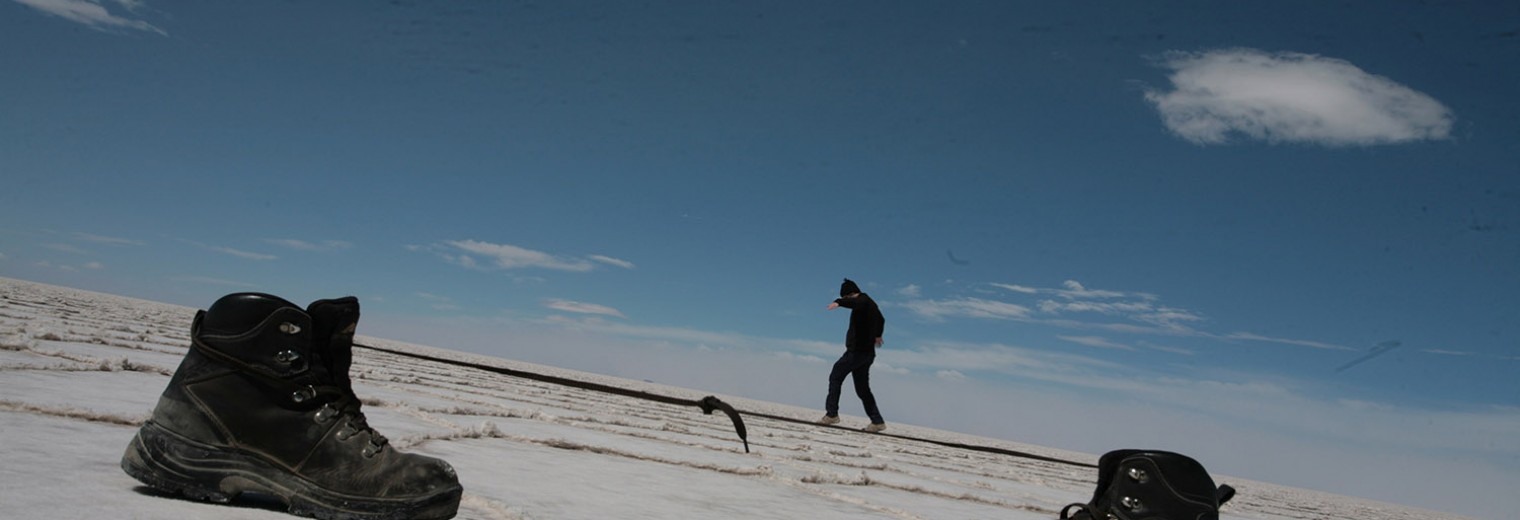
x: 1090, y: 226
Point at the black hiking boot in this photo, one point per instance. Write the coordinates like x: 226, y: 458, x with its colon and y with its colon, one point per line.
x: 263, y: 404
x: 1151, y: 485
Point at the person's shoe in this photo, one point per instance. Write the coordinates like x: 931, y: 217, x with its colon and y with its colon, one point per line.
x: 262, y: 403
x: 1151, y: 484
x: 875, y: 427
x: 829, y: 419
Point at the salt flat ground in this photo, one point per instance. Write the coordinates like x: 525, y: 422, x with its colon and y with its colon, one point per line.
x: 80, y: 371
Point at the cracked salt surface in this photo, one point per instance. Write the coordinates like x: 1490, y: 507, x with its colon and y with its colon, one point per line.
x: 81, y: 370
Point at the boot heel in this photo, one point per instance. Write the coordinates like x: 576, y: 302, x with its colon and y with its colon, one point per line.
x: 172, y: 464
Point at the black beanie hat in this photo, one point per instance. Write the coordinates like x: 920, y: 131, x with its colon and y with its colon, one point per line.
x: 847, y: 288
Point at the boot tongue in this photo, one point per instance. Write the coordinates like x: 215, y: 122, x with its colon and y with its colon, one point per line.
x: 333, y: 323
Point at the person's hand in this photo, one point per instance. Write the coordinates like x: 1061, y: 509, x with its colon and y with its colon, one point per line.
x: 878, y: 342
x: 833, y: 305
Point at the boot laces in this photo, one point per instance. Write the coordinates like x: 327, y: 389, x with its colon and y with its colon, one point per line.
x: 337, y: 396
x: 343, y: 404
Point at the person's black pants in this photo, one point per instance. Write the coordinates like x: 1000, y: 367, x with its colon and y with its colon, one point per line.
x: 856, y: 363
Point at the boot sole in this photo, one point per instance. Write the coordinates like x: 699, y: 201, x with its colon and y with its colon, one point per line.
x: 177, y: 465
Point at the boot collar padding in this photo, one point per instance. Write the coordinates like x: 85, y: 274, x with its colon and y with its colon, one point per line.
x: 278, y: 347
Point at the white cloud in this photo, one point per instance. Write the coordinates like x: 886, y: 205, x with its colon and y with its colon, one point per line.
x: 442, y: 303
x: 583, y: 308
x: 950, y: 375
x: 302, y: 245
x: 1023, y: 362
x: 1166, y: 348
x: 1299, y: 342
x: 1017, y: 288
x: 93, y: 265
x: 805, y: 358
x: 618, y: 262
x: 1168, y: 318
x: 1057, y: 307
x: 94, y: 13
x: 662, y: 334
x: 1294, y: 98
x: 968, y: 307
x: 210, y: 281
x: 1074, y: 290
x: 242, y: 254
x: 466, y: 261
x: 107, y: 240
x: 506, y: 256
x: 1073, y: 297
x: 67, y: 248
x: 911, y: 291
x: 1095, y: 341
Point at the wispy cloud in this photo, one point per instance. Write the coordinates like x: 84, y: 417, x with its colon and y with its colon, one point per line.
x: 1166, y: 348
x: 1095, y: 341
x: 968, y: 307
x: 1017, y: 288
x: 1285, y: 341
x: 210, y: 281
x: 1074, y: 289
x: 1068, y: 368
x: 1121, y: 308
x: 507, y: 256
x: 442, y: 303
x: 950, y: 375
x: 87, y: 237
x: 302, y: 245
x: 1071, y: 298
x: 242, y: 254
x: 231, y: 251
x: 1290, y: 97
x: 582, y: 308
x: 616, y: 262
x: 911, y: 291
x: 96, y: 14
x: 1076, y: 306
x: 688, y: 336
x: 69, y: 267
x: 66, y: 248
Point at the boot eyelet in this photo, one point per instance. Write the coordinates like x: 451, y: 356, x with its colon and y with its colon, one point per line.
x: 326, y: 413
x: 369, y: 451
x: 287, y: 357
x: 302, y: 395
x: 1131, y: 503
x: 290, y: 328
x: 1138, y: 475
x: 347, y: 432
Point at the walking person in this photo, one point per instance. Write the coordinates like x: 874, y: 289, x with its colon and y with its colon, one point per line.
x: 861, y: 342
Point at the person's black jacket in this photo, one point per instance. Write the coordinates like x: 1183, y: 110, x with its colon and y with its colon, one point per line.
x: 866, y: 322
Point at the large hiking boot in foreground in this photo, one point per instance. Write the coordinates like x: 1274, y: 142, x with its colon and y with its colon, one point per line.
x: 1151, y: 485
x: 263, y: 404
